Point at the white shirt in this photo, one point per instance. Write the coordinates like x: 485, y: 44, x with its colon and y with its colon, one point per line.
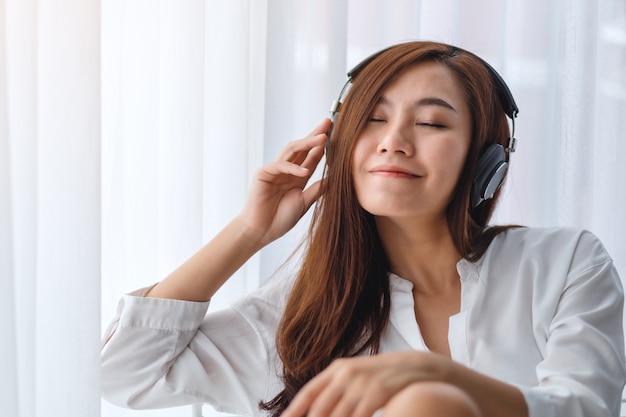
x: 542, y: 310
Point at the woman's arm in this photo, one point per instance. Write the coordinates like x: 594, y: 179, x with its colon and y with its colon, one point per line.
x: 204, y: 273
x: 168, y: 353
x: 360, y: 386
x: 493, y: 397
x: 163, y: 349
x: 276, y: 201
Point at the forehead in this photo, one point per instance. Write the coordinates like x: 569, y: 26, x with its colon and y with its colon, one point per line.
x: 425, y: 79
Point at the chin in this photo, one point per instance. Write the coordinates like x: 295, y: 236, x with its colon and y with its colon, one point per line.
x: 402, y: 209
x: 389, y: 211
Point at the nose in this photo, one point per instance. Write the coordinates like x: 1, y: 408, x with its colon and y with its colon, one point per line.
x: 397, y: 138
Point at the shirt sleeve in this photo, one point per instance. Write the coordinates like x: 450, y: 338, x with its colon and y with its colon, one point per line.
x: 163, y: 353
x: 583, y: 372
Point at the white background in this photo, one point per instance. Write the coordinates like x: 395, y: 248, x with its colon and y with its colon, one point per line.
x: 129, y: 130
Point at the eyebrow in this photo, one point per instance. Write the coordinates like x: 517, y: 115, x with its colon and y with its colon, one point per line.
x: 426, y: 101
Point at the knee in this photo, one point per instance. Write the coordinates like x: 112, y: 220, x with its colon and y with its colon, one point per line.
x: 432, y: 399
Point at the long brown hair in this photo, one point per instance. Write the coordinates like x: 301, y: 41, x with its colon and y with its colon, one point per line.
x: 340, y: 302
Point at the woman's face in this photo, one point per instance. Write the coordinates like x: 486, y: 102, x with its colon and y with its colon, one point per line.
x: 408, y: 159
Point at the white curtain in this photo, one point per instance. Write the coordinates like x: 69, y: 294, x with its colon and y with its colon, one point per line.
x: 50, y: 216
x: 129, y: 131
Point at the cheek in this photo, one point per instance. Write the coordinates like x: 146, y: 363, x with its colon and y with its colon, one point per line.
x: 458, y: 159
x: 451, y: 161
x: 452, y: 156
x: 358, y: 174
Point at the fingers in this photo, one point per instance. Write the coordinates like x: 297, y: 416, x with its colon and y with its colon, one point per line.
x: 357, y: 387
x: 341, y: 390
x: 321, y: 128
x: 274, y: 169
x: 297, y: 150
x: 311, y: 194
x: 299, y: 158
x: 303, y: 401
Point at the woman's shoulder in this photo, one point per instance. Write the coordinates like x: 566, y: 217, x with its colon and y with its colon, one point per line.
x: 546, y: 238
x: 547, y: 261
x: 574, y: 248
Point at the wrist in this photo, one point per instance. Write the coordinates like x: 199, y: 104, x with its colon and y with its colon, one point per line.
x: 435, y: 367
x: 447, y: 371
x: 249, y: 239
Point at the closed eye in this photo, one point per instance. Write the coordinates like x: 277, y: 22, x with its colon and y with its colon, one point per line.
x: 429, y: 124
x: 376, y: 120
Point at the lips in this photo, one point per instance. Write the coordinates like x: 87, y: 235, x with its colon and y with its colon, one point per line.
x: 394, y: 171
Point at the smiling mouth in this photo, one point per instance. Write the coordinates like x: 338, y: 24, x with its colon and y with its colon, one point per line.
x: 393, y: 172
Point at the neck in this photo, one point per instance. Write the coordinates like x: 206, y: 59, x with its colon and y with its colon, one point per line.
x: 421, y: 251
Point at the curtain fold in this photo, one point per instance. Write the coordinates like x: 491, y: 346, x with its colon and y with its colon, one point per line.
x: 183, y: 87
x: 129, y: 132
x: 8, y: 349
x: 305, y: 69
x: 52, y: 140
x: 67, y: 288
x: 19, y: 197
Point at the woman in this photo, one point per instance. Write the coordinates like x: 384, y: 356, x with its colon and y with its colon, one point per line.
x: 406, y: 301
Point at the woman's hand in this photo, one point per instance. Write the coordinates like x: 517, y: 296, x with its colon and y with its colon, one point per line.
x: 360, y: 386
x: 277, y: 198
x: 276, y: 201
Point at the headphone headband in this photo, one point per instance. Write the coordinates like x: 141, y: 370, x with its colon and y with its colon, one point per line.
x: 502, y: 89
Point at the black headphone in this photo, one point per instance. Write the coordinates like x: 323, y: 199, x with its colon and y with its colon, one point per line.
x: 493, y: 163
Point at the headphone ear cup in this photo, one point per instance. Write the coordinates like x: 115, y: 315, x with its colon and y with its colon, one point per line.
x: 490, y: 172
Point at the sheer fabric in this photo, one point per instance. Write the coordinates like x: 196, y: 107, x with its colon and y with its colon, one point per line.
x: 129, y: 131
x: 50, y: 196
